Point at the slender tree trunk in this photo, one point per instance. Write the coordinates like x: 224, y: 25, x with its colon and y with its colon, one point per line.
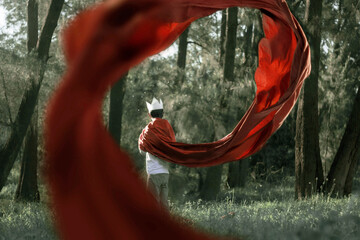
x: 181, y: 58
x: 47, y: 31
x: 222, y: 37
x: 308, y: 168
x: 343, y: 168
x: 117, y: 94
x: 351, y: 174
x: 230, y: 44
x: 33, y: 22
x: 27, y: 189
x: 10, y: 150
x: 183, y: 43
x: 212, y: 181
x: 234, y: 177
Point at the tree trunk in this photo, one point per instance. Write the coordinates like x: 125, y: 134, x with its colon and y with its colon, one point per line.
x: 211, y: 186
x: 342, y: 171
x: 181, y: 58
x: 212, y: 181
x: 117, y: 94
x: 230, y: 46
x: 10, y: 150
x: 47, y: 31
x: 308, y: 168
x: 234, y: 176
x: 33, y: 22
x: 351, y: 174
x: 222, y: 37
x: 238, y: 172
x: 183, y: 43
x: 27, y: 189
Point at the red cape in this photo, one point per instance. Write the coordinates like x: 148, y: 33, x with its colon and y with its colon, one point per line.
x: 96, y: 194
x: 155, y: 134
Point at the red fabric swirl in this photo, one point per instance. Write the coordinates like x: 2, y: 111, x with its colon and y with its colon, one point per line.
x: 155, y: 133
x: 96, y: 193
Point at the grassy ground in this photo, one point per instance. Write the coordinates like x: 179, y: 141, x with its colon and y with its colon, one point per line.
x: 264, y: 212
x: 24, y: 220
x: 260, y: 211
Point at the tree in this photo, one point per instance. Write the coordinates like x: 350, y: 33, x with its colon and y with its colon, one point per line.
x: 116, y: 110
x: 308, y: 167
x: 341, y: 63
x: 27, y: 188
x: 238, y: 171
x: 211, y: 186
x: 9, y: 151
x: 222, y: 36
x: 342, y: 171
x: 181, y: 58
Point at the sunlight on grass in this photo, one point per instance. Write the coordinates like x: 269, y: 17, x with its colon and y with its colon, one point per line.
x: 318, y: 218
x: 259, y: 211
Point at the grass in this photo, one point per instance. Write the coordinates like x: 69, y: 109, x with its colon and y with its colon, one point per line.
x: 259, y: 211
x: 20, y: 220
x: 317, y: 218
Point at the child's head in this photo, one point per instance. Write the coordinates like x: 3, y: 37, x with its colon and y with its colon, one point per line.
x: 155, y: 108
x: 158, y: 113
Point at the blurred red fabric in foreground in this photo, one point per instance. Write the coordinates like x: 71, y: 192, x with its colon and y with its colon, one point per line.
x: 95, y: 192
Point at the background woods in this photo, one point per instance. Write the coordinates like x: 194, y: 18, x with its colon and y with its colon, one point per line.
x: 205, y: 80
x: 213, y: 62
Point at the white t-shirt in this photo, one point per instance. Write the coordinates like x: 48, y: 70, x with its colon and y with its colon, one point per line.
x: 155, y: 165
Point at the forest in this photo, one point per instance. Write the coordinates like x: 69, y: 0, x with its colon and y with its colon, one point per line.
x: 303, y: 184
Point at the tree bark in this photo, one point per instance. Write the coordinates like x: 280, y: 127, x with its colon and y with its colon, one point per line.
x: 47, y: 31
x: 211, y: 187
x: 308, y: 168
x: 351, y: 174
x: 230, y: 46
x: 234, y: 177
x: 342, y: 171
x: 10, y: 150
x: 183, y: 43
x: 212, y: 181
x: 117, y: 94
x: 238, y: 172
x: 27, y: 189
x: 181, y: 58
x: 222, y: 37
x: 33, y: 22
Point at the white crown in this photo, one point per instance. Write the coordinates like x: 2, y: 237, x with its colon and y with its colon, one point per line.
x: 154, y: 105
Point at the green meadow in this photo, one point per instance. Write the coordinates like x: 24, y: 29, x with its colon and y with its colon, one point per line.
x: 258, y: 211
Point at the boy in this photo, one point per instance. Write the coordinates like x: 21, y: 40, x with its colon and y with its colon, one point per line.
x: 156, y: 168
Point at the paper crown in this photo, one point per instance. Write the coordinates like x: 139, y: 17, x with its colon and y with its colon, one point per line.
x: 155, y: 104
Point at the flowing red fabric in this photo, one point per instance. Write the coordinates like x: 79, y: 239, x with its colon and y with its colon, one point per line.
x: 160, y: 131
x: 96, y: 194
